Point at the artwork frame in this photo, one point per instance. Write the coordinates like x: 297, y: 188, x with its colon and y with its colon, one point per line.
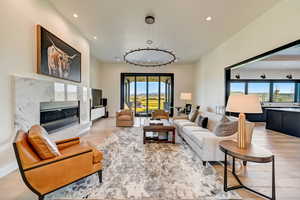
x: 56, y: 58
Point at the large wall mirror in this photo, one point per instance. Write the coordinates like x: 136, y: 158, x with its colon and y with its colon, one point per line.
x: 274, y: 76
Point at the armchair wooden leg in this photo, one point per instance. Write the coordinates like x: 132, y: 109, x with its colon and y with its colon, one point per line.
x: 204, y: 163
x: 244, y: 162
x: 100, y: 176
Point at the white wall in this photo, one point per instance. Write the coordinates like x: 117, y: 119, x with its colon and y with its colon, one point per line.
x: 18, y: 55
x: 95, y: 71
x: 274, y: 28
x: 109, y: 76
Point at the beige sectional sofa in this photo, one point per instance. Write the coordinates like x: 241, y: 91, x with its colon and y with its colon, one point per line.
x: 203, y: 141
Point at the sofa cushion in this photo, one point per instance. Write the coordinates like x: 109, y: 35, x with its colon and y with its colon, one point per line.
x: 199, y: 136
x: 225, y: 127
x: 202, y: 121
x: 197, y: 141
x: 125, y: 112
x: 27, y: 154
x: 187, y: 129
x: 124, y: 118
x: 188, y: 123
x: 179, y: 121
x: 193, y: 115
x: 213, y: 119
x: 39, y: 139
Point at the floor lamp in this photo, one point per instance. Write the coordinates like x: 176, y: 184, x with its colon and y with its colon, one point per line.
x: 243, y: 104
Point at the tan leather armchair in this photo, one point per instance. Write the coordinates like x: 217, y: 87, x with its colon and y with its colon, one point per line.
x: 160, y: 114
x: 124, y: 118
x: 77, y: 160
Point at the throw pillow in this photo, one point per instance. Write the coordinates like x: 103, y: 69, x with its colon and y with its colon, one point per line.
x: 193, y: 115
x: 202, y: 121
x: 38, y: 138
x: 225, y: 127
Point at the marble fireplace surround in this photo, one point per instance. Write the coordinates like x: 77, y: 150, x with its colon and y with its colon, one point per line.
x: 29, y: 92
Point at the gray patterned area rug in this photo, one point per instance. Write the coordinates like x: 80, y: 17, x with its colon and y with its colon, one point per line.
x: 134, y: 171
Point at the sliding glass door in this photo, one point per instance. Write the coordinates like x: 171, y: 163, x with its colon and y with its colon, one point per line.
x: 153, y: 93
x: 144, y: 93
x: 141, y: 95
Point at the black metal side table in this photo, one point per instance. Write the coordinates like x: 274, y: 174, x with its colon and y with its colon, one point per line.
x: 251, y: 154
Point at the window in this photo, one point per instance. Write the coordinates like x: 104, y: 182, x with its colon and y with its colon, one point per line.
x: 145, y: 92
x: 283, y: 92
x: 262, y: 90
x: 237, y: 88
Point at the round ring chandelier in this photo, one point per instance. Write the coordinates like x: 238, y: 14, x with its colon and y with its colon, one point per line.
x: 149, y: 57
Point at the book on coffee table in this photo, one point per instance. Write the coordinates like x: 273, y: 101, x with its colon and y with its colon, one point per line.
x: 156, y: 122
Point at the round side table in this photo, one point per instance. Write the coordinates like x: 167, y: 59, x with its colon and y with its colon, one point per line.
x: 250, y: 154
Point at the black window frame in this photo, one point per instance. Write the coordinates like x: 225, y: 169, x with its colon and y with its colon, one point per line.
x: 247, y: 81
x: 171, y: 95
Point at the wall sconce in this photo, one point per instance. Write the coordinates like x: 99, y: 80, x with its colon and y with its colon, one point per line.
x: 237, y: 76
x: 289, y: 76
x: 263, y: 76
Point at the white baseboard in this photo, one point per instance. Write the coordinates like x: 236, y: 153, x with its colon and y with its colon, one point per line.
x: 8, y: 169
x: 81, y: 133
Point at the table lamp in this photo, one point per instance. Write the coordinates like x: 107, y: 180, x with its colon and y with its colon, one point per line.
x: 243, y: 104
x: 186, y: 96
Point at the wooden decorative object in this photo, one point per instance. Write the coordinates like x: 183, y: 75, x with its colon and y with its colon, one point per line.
x: 164, y: 128
x: 242, y: 143
x: 243, y: 104
x: 252, y: 153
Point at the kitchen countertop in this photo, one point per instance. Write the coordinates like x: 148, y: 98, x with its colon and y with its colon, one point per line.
x: 285, y: 109
x: 281, y: 106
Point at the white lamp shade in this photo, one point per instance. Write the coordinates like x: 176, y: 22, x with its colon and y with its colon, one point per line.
x: 186, y: 96
x: 243, y: 104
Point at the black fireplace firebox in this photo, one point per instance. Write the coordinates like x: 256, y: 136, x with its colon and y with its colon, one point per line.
x: 55, y: 116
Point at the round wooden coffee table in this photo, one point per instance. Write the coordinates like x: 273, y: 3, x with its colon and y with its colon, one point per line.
x: 252, y: 153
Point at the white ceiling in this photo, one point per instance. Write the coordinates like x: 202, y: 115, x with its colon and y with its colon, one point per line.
x: 287, y: 59
x: 270, y: 65
x: 180, y: 24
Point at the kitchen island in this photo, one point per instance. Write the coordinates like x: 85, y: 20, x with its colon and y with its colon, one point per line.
x: 284, y: 120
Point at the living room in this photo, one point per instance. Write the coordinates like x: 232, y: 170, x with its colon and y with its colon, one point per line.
x: 149, y: 100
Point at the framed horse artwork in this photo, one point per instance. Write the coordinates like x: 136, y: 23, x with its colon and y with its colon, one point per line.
x: 56, y: 58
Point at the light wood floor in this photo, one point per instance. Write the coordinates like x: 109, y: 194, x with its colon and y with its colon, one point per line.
x: 258, y: 176
x: 287, y: 166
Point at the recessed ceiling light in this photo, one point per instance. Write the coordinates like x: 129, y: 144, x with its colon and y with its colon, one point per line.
x: 149, y: 42
x: 149, y: 19
x: 75, y: 15
x: 209, y: 18
x: 95, y: 37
